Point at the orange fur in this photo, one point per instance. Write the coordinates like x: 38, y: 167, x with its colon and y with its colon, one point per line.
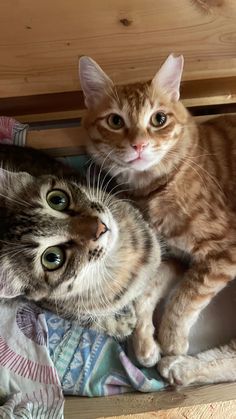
x: 184, y: 184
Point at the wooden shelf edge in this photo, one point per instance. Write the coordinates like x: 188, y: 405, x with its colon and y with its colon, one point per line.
x: 194, y: 93
x: 127, y: 405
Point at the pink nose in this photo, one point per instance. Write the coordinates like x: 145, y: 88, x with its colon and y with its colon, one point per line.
x: 139, y: 147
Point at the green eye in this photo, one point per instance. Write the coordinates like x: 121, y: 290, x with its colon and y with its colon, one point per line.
x: 115, y: 121
x: 58, y: 200
x: 53, y: 258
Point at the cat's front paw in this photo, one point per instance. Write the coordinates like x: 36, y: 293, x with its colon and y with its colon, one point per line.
x: 146, y: 349
x: 121, y: 325
x: 178, y: 370
x: 173, y: 341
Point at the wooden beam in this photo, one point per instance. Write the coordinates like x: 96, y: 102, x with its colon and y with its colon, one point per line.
x: 217, y: 410
x: 40, y: 43
x: 194, y: 94
x: 59, y: 141
x: 193, y: 399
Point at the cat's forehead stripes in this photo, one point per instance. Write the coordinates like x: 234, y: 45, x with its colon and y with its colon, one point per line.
x: 136, y: 95
x: 137, y: 103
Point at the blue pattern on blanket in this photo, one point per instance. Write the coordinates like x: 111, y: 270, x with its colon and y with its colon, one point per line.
x: 92, y: 364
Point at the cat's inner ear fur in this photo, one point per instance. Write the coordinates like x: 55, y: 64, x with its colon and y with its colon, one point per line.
x: 7, y: 288
x: 94, y: 82
x: 168, y: 78
x: 9, y: 178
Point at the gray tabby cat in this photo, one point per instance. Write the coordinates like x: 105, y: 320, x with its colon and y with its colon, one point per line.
x: 77, y: 250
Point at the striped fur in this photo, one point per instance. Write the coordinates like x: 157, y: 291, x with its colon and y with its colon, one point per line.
x: 183, y: 181
x: 102, y: 275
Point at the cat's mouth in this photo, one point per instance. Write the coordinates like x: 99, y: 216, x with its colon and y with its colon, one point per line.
x: 139, y: 163
x: 135, y: 159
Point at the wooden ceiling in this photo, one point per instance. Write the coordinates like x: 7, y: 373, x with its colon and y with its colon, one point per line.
x: 40, y: 42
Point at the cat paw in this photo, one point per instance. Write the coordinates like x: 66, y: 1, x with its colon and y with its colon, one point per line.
x: 121, y: 325
x: 173, y: 342
x: 178, y: 370
x: 147, y: 351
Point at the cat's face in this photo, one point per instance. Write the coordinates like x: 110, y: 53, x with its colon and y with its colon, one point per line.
x: 134, y: 127
x: 51, y: 232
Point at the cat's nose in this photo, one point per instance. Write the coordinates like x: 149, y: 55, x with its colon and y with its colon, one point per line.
x: 101, y: 229
x: 87, y: 228
x: 140, y: 146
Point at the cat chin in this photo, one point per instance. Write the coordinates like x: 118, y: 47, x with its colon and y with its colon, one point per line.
x: 141, y: 165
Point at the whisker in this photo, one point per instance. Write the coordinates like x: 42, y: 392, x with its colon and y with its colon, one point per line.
x: 15, y: 201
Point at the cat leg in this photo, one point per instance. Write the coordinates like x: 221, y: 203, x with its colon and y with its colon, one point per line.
x: 200, y: 285
x: 146, y: 348
x: 118, y: 325
x: 214, y: 366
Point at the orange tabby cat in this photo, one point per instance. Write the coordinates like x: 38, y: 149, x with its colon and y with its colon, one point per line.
x: 181, y: 174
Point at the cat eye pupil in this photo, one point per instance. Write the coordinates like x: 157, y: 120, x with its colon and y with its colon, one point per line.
x: 52, y: 257
x: 115, y: 121
x: 158, y: 119
x: 58, y: 200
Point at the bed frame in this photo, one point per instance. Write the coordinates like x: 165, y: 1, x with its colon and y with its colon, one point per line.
x: 39, y: 49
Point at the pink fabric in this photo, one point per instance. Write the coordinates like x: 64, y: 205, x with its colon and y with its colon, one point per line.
x: 6, y: 129
x: 27, y: 374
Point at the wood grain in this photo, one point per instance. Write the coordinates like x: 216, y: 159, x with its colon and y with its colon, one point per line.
x: 207, y: 411
x: 194, y: 94
x: 59, y: 141
x: 40, y: 42
x: 196, y: 400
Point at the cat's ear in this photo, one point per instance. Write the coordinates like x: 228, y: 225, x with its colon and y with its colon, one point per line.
x: 168, y: 78
x: 9, y: 178
x: 5, y: 178
x: 3, y: 174
x: 94, y: 82
x: 7, y: 289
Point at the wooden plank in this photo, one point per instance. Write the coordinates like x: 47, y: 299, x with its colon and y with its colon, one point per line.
x: 130, y: 405
x: 71, y: 139
x: 40, y: 42
x: 209, y: 92
x: 196, y: 93
x: 50, y: 116
x: 207, y: 411
x: 47, y: 103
